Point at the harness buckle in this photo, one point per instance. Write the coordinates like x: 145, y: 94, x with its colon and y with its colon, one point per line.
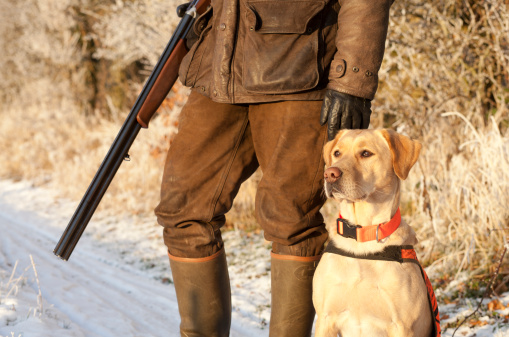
x: 349, y: 230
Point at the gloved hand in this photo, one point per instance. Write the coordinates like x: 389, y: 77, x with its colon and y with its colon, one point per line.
x: 344, y: 111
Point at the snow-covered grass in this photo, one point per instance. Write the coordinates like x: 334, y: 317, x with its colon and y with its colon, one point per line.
x: 21, y: 306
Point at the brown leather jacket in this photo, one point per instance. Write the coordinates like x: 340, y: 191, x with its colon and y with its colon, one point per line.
x: 252, y: 51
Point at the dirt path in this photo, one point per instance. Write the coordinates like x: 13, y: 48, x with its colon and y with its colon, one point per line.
x: 93, y: 294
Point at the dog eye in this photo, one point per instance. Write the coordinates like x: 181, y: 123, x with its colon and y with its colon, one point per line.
x: 337, y: 153
x: 366, y: 154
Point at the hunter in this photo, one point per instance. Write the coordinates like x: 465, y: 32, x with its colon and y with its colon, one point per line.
x: 272, y: 81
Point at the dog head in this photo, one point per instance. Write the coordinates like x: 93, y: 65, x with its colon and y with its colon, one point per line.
x: 366, y: 165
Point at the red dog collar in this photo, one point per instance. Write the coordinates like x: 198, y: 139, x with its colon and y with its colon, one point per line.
x: 368, y: 233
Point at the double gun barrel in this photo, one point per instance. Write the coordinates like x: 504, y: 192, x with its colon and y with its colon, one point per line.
x: 159, y: 83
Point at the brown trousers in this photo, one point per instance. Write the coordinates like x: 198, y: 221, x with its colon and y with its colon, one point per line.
x: 219, y: 146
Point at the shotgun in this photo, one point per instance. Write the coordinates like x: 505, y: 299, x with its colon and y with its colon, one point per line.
x: 159, y: 83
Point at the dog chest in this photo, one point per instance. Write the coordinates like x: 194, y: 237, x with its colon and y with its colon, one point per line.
x: 353, y: 291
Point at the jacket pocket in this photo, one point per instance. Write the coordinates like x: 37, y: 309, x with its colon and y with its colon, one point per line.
x: 281, y: 46
x: 190, y: 64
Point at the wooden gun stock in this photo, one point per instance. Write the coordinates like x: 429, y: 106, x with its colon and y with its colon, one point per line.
x: 162, y: 85
x: 167, y: 77
x: 159, y: 83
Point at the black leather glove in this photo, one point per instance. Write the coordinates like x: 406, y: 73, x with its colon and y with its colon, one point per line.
x: 344, y: 111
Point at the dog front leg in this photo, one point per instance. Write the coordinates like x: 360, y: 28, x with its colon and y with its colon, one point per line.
x: 325, y: 327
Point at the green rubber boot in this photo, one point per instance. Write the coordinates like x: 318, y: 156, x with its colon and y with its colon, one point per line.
x: 203, y: 295
x: 292, y: 311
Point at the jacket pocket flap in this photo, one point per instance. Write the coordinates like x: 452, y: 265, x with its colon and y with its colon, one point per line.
x: 282, y: 16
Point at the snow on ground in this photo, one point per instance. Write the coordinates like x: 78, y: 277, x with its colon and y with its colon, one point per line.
x: 118, y: 282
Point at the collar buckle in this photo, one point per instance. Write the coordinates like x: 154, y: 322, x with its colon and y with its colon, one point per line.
x: 347, y: 230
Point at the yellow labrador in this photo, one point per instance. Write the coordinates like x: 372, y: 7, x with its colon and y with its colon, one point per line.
x: 364, y: 285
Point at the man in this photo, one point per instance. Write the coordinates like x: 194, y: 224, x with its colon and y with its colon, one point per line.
x: 265, y: 76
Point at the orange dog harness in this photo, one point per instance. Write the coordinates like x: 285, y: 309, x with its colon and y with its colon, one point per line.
x: 399, y: 254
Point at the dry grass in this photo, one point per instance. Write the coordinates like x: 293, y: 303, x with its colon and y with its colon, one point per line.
x: 444, y: 81
x: 9, y: 288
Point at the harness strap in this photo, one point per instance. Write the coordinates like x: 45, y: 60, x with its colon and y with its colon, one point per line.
x: 390, y: 253
x: 368, y: 233
x: 398, y: 254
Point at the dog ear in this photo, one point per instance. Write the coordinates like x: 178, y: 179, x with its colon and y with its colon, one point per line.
x: 404, y: 151
x: 328, y: 148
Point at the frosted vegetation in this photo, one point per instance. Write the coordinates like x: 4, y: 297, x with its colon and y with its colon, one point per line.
x: 71, y: 69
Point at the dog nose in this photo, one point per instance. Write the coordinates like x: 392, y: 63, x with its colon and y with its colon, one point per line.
x: 332, y: 174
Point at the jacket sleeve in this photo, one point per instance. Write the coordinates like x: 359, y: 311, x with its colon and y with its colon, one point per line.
x: 360, y: 42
